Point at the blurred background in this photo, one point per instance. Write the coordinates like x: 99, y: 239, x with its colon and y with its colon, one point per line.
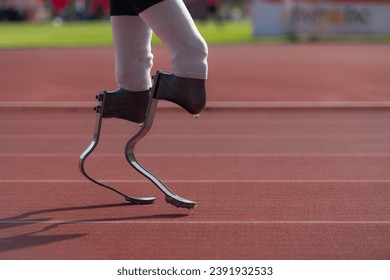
x: 69, y: 10
x: 260, y: 50
x: 268, y: 17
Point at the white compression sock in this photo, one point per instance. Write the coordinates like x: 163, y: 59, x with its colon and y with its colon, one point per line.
x: 133, y: 57
x: 173, y: 24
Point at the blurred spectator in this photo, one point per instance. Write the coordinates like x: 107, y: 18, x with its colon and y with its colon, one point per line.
x: 58, y: 8
x: 99, y: 9
x: 63, y: 10
x: 80, y: 7
x: 15, y: 10
x: 212, y: 8
x: 212, y: 11
x: 76, y: 10
x: 40, y: 10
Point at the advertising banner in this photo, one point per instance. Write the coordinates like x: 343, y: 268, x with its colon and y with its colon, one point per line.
x: 321, y: 17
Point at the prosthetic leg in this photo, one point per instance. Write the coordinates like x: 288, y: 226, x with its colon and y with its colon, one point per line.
x: 170, y: 197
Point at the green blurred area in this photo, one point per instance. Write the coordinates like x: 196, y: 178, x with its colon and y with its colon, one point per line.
x: 98, y: 33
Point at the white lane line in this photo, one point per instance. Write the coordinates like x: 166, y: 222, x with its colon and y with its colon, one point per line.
x: 65, y: 181
x: 210, y: 105
x: 172, y: 222
x: 201, y: 136
x: 222, y: 155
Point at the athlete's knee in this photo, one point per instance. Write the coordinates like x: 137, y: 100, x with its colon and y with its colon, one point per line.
x: 203, y: 49
x: 196, y: 53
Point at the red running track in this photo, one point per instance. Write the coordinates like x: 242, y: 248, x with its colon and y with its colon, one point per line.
x: 270, y: 184
x: 301, y: 72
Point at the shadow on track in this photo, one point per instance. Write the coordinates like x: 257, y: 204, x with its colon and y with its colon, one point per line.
x: 40, y: 237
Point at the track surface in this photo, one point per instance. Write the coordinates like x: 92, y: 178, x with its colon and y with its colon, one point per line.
x: 246, y: 73
x: 270, y: 183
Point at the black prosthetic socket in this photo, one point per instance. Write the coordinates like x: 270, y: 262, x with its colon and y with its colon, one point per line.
x: 126, y: 105
x: 188, y: 93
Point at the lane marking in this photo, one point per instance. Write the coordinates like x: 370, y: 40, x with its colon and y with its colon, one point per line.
x: 210, y: 104
x: 202, y: 136
x: 309, y: 154
x: 65, y: 181
x: 195, y: 222
x: 286, y: 122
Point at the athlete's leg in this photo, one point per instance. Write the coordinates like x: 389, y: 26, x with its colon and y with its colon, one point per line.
x: 132, y: 39
x: 173, y: 24
x: 133, y: 62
